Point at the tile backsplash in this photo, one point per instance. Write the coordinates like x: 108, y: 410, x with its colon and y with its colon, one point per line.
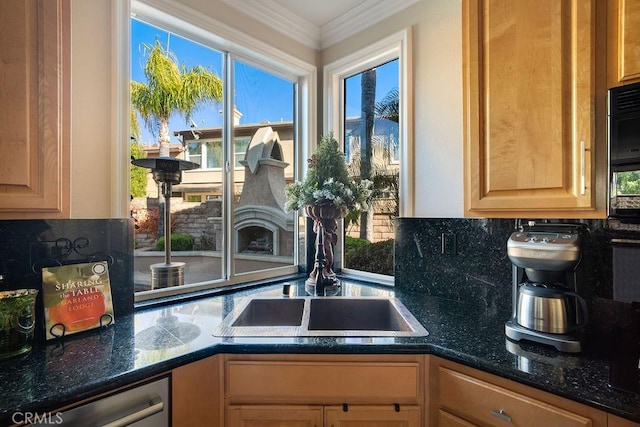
x: 465, y: 260
x: 29, y: 245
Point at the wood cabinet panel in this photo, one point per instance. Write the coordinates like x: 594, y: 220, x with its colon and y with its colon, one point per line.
x: 529, y: 86
x: 372, y: 416
x: 460, y: 395
x: 446, y: 419
x: 615, y: 421
x: 34, y: 104
x: 196, y: 393
x: 623, y: 35
x: 274, y: 416
x: 349, y: 390
x: 316, y: 416
x: 490, y: 404
x: 318, y: 381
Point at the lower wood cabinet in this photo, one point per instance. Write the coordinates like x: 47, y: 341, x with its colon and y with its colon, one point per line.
x: 462, y: 396
x: 615, y: 421
x: 289, y: 390
x: 274, y: 416
x: 318, y: 416
x: 196, y: 394
x: 378, y: 416
x: 324, y: 390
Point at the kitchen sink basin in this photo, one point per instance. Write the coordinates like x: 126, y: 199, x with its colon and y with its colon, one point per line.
x: 271, y: 312
x: 355, y: 314
x: 321, y: 316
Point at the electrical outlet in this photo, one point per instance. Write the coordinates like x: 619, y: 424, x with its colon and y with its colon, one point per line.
x: 448, y: 243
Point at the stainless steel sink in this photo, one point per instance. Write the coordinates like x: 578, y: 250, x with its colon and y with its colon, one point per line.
x: 321, y: 316
x: 271, y: 312
x: 355, y: 315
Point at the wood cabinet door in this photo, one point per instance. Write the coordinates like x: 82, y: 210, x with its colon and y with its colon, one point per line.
x: 623, y: 42
x: 274, y: 416
x: 463, y: 396
x: 34, y: 106
x: 529, y: 85
x: 372, y: 416
x: 323, y: 379
x: 196, y: 393
x: 615, y: 421
x: 446, y: 419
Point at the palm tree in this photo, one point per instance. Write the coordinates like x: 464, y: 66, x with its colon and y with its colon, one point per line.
x: 368, y: 104
x: 171, y: 88
x: 389, y: 107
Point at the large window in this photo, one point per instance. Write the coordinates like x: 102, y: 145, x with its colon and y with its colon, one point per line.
x: 368, y: 107
x: 227, y: 216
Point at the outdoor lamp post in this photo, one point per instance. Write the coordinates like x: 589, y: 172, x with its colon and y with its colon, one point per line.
x: 167, y: 171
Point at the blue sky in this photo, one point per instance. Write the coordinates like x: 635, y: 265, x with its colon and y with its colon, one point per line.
x: 259, y: 96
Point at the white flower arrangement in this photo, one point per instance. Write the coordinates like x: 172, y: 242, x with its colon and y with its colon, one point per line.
x: 328, y: 182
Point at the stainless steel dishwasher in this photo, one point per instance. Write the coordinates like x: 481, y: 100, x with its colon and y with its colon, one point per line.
x: 144, y: 405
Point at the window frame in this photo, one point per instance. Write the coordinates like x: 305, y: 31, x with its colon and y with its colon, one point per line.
x: 236, y: 45
x: 398, y: 46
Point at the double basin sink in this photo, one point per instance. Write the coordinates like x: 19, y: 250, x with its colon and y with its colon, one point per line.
x: 321, y: 316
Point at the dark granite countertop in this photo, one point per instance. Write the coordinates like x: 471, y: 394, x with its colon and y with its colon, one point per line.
x: 138, y: 346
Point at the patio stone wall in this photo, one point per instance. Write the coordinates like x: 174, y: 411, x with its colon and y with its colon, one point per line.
x: 186, y: 217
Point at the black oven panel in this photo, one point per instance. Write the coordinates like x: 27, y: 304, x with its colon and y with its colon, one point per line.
x: 624, y: 152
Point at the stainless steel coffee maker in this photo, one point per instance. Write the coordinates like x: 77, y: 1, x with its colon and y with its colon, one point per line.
x: 546, y: 305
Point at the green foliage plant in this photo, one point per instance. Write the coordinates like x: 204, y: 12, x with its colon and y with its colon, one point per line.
x: 138, y: 174
x: 375, y: 257
x: 328, y: 182
x: 179, y: 242
x: 628, y: 182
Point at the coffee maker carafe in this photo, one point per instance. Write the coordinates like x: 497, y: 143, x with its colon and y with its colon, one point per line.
x: 546, y: 305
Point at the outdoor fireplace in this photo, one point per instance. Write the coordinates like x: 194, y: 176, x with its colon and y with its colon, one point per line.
x: 255, y: 239
x: 261, y: 224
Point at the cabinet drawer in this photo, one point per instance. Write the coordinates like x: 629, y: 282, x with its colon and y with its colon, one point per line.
x: 323, y: 382
x: 445, y: 419
x: 479, y: 401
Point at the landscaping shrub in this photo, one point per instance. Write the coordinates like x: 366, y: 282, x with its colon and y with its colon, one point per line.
x: 372, y: 257
x: 179, y: 242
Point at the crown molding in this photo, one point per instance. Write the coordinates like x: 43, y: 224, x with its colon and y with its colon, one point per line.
x: 353, y: 21
x: 280, y: 19
x: 359, y: 18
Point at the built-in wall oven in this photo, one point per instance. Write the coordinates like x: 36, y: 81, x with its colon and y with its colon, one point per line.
x: 624, y: 152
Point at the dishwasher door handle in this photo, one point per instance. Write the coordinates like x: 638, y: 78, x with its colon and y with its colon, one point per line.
x: 155, y: 406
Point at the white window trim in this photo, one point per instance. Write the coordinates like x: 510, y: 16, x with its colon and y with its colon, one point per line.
x: 121, y: 104
x: 397, y: 45
x: 178, y: 18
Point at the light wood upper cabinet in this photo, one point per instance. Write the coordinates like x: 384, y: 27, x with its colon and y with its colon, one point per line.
x: 530, y: 87
x: 34, y: 106
x: 623, y: 42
